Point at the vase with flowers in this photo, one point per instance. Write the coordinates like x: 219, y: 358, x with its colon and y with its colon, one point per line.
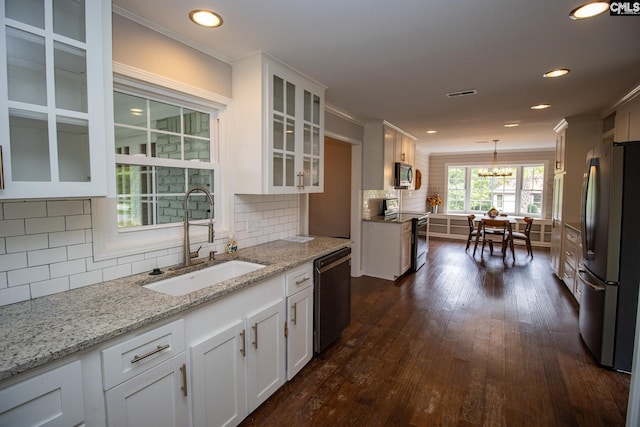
x: 434, y: 201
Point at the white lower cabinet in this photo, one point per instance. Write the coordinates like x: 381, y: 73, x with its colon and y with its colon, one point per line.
x: 299, y: 285
x: 237, y: 352
x: 53, y: 398
x: 144, y: 378
x: 386, y: 248
x: 218, y: 373
x: 155, y: 398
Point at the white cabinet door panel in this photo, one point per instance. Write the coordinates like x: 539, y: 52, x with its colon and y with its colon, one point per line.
x: 266, y: 353
x: 218, y: 378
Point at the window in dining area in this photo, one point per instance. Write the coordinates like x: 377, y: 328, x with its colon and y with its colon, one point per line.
x: 522, y: 193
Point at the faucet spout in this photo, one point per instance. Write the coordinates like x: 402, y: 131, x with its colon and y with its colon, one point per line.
x: 187, y: 254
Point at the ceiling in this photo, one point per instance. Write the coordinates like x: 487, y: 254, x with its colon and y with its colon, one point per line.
x: 397, y: 60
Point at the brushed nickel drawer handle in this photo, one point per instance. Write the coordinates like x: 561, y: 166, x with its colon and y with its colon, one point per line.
x: 183, y: 371
x: 158, y: 349
x: 300, y: 282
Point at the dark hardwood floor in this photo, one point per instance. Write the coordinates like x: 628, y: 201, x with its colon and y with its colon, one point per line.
x: 462, y: 342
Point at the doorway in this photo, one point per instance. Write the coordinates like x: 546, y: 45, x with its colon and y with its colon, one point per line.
x: 330, y: 211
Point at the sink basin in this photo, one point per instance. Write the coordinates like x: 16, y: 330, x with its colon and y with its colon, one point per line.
x: 182, y: 285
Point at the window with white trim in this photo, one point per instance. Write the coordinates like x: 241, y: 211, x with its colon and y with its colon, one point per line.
x: 522, y: 193
x: 162, y: 149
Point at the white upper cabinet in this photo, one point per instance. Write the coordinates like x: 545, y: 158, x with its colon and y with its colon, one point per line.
x: 278, y: 128
x: 55, y: 58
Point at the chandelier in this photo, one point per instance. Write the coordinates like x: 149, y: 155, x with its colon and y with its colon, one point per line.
x: 495, y: 170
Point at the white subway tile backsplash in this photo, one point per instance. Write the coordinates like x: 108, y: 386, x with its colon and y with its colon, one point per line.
x: 169, y: 260
x: 58, y: 241
x: 130, y: 259
x: 48, y: 287
x: 27, y: 243
x: 11, y: 227
x: 85, y: 279
x: 143, y: 266
x: 68, y: 268
x: 24, y: 276
x: 100, y: 264
x: 79, y: 251
x: 13, y: 295
x: 66, y: 238
x: 116, y: 272
x: 65, y: 207
x: 78, y: 222
x: 20, y: 210
x: 44, y: 225
x: 13, y: 261
x: 46, y: 256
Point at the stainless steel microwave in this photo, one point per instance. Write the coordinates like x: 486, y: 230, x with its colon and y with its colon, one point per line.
x: 403, y: 175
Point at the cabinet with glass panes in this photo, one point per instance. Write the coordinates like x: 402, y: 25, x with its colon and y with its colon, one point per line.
x: 53, y: 120
x: 278, y: 131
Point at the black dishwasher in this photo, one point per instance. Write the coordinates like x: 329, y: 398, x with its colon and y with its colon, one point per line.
x: 332, y: 302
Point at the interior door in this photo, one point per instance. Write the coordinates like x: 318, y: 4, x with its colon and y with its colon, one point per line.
x: 330, y: 211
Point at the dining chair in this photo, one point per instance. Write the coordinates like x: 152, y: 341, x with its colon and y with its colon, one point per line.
x: 525, y: 235
x: 495, y: 231
x: 473, y: 231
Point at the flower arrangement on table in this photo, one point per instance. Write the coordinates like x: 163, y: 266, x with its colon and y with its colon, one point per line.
x: 434, y: 200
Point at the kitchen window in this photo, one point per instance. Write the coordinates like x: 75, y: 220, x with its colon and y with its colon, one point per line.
x: 521, y: 193
x: 161, y: 150
x: 167, y: 138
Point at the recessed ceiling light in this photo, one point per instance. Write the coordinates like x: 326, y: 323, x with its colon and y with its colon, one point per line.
x: 589, y: 10
x: 540, y: 106
x: 431, y: 131
x: 205, y: 18
x: 558, y: 72
x: 511, y: 125
x: 136, y: 111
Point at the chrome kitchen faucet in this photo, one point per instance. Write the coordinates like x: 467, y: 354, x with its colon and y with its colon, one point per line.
x: 188, y: 255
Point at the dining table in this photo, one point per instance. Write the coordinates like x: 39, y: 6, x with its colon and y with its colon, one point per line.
x: 507, y: 220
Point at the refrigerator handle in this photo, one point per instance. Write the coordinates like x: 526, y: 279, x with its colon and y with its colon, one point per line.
x: 593, y: 286
x: 588, y: 208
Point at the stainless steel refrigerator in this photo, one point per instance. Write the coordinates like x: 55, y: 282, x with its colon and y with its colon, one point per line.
x: 610, y: 276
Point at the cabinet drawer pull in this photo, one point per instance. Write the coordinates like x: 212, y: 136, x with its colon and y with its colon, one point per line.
x: 294, y: 313
x: 255, y: 334
x: 158, y: 349
x: 183, y: 370
x: 243, y: 349
x: 300, y: 282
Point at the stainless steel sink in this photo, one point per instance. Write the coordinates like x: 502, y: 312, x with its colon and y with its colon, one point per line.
x: 186, y: 283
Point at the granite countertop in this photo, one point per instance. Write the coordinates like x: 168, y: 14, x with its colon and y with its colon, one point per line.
x: 400, y: 218
x: 44, y: 329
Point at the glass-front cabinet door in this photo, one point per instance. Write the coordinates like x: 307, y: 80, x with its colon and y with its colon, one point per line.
x: 296, y: 143
x: 52, y: 115
x: 312, y: 146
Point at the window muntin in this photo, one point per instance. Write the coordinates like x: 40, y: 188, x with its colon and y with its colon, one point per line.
x: 522, y: 193
x: 161, y: 151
